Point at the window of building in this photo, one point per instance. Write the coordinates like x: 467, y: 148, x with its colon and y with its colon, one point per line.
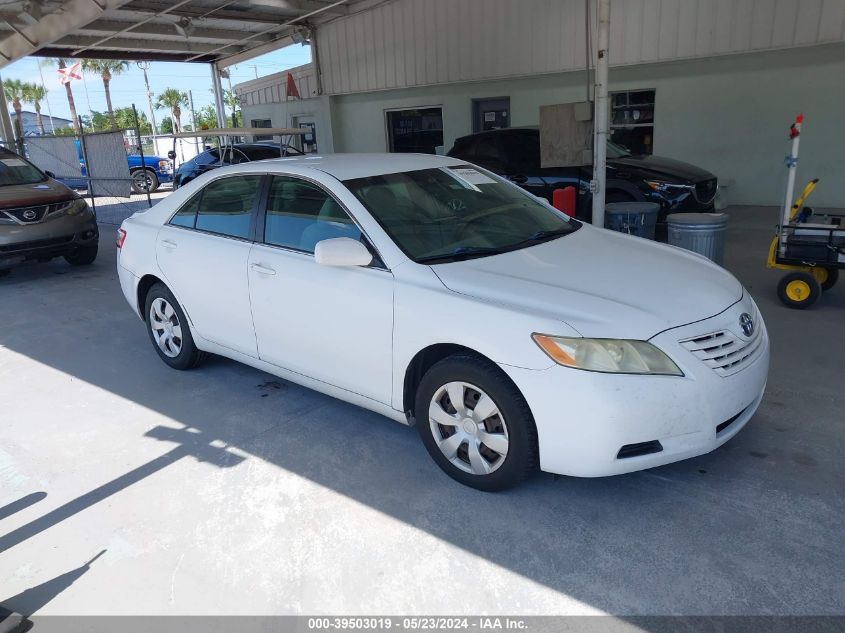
x: 226, y: 206
x: 632, y: 120
x: 418, y: 130
x: 300, y: 214
x: 261, y: 123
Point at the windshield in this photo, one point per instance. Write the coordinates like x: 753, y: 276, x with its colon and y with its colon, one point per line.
x: 447, y: 214
x: 14, y: 170
x: 617, y: 151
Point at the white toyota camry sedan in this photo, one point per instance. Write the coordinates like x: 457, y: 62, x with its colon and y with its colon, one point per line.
x: 442, y: 296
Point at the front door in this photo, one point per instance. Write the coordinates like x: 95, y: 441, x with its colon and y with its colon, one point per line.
x: 491, y: 114
x: 203, y: 252
x: 330, y: 323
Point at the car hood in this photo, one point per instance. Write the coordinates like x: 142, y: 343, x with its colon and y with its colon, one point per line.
x: 661, y: 167
x: 47, y: 192
x: 602, y: 284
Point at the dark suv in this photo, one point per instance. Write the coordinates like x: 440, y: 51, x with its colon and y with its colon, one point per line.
x: 40, y: 218
x: 515, y: 154
x: 229, y: 155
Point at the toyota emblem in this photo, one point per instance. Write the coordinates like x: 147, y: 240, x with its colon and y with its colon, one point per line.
x: 746, y: 323
x: 29, y: 214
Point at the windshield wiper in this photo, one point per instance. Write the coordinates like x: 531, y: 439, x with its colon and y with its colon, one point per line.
x: 544, y: 236
x: 462, y: 253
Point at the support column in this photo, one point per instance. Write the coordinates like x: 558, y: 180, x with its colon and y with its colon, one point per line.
x: 602, y: 121
x: 6, y: 120
x: 217, y: 87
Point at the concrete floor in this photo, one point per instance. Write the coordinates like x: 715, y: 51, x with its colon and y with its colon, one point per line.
x: 227, y: 491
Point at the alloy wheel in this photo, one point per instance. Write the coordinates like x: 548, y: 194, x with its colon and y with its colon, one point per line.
x: 469, y: 428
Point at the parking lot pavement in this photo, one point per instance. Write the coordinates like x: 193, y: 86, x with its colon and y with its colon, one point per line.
x: 129, y: 488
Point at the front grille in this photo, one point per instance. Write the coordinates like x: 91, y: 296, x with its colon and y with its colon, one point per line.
x: 35, y: 244
x: 725, y: 352
x: 32, y: 215
x: 705, y: 191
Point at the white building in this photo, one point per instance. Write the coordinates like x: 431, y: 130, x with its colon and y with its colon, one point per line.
x: 711, y: 82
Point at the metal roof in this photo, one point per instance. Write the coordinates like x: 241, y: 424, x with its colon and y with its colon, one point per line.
x: 222, y: 31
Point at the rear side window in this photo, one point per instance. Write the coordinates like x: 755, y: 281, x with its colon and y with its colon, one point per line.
x: 523, y: 151
x: 186, y: 215
x: 300, y: 214
x: 227, y: 204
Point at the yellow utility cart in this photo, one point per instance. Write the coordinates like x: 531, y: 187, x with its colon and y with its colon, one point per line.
x: 811, y: 247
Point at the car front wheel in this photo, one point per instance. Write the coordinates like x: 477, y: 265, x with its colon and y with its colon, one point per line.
x: 475, y: 423
x: 169, y: 331
x: 82, y: 256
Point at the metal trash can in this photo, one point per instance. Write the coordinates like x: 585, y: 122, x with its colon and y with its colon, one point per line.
x: 702, y: 233
x: 633, y: 218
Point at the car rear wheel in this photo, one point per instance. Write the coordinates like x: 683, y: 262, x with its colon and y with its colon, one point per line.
x: 475, y: 423
x: 143, y: 180
x: 169, y: 331
x: 82, y: 256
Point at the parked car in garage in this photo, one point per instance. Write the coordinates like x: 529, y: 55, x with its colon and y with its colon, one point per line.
x: 230, y: 155
x: 515, y: 154
x: 41, y: 218
x: 441, y: 295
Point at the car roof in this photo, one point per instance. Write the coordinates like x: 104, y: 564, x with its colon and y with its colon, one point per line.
x: 349, y: 166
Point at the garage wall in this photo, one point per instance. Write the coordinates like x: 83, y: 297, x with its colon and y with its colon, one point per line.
x: 726, y: 114
x: 406, y: 43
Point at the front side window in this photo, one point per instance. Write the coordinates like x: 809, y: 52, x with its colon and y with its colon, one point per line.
x: 447, y: 214
x: 226, y: 206
x: 300, y: 214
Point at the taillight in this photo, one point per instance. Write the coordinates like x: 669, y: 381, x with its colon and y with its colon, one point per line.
x: 121, y: 237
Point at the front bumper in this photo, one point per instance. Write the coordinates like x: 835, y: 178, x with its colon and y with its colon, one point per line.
x: 45, y: 240
x: 584, y: 418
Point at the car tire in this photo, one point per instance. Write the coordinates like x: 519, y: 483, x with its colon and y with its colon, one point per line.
x: 174, y: 343
x: 799, y: 290
x: 143, y: 178
x: 83, y: 256
x: 507, y: 423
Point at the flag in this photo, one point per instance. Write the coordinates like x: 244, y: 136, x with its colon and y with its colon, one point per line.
x: 66, y: 75
x: 290, y: 89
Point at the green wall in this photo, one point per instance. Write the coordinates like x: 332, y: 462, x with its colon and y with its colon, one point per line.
x: 728, y: 114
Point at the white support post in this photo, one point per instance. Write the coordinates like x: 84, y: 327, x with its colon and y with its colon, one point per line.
x: 6, y: 120
x: 602, y: 120
x: 217, y: 87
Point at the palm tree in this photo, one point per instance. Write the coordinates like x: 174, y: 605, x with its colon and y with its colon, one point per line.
x: 15, y: 91
x: 106, y: 68
x: 62, y: 62
x: 173, y: 99
x: 35, y: 94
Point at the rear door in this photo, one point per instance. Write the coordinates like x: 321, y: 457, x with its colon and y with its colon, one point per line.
x: 203, y: 252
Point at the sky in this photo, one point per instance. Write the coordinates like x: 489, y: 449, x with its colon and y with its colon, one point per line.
x: 128, y: 88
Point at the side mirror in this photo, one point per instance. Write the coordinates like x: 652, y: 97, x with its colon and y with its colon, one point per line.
x: 50, y: 174
x: 342, y: 251
x: 171, y: 155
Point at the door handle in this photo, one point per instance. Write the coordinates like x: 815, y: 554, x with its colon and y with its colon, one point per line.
x: 169, y: 244
x: 263, y: 270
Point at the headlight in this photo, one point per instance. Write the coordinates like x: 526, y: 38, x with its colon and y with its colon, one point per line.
x: 615, y: 356
x: 667, y: 187
x: 77, y: 207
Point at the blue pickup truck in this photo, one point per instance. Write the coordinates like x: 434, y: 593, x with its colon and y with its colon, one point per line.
x: 151, y: 174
